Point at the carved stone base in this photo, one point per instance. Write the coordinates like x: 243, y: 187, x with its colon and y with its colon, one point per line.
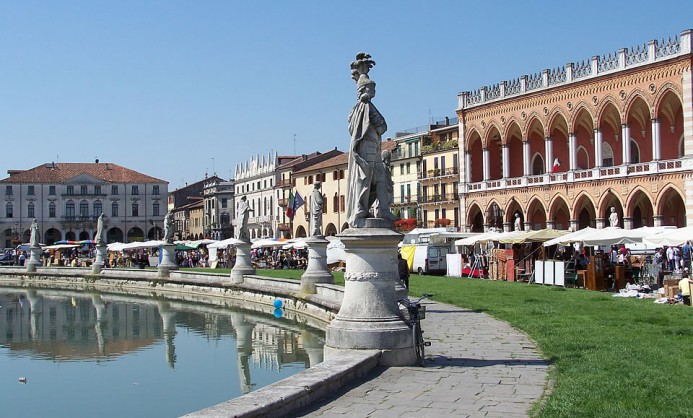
x: 34, y: 259
x: 369, y: 316
x: 101, y: 255
x: 168, y: 259
x: 243, y: 264
x: 316, y: 271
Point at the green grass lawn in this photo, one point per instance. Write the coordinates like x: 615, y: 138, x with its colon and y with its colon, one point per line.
x: 611, y: 357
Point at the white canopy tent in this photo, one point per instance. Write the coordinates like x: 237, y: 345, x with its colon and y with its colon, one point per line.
x: 119, y: 246
x: 224, y: 243
x: 670, y: 237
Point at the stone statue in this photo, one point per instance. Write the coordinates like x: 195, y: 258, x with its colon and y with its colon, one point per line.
x: 168, y: 228
x: 613, y: 218
x: 243, y: 215
x: 34, y: 241
x: 368, y: 176
x: 316, y: 204
x: 99, y: 238
x: 518, y: 222
x: 386, y: 157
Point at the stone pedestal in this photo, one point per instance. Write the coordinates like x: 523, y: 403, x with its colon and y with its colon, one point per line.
x: 101, y: 255
x: 243, y: 264
x: 168, y: 259
x: 369, y: 316
x: 316, y: 271
x: 34, y: 259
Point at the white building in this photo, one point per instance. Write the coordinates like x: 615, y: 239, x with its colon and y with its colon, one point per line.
x: 67, y: 199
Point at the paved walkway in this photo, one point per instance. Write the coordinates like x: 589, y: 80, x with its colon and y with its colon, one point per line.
x: 476, y: 366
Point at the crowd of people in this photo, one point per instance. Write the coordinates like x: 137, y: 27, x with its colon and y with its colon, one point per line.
x: 274, y: 258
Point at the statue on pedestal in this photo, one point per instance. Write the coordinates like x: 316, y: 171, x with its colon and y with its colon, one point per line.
x: 316, y: 205
x: 99, y: 238
x: 34, y: 241
x: 518, y: 222
x: 243, y: 215
x: 168, y: 228
x: 613, y: 218
x: 368, y: 175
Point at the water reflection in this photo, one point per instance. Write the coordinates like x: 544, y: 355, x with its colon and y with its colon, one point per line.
x: 105, y: 328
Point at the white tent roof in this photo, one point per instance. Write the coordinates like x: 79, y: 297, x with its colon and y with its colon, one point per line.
x: 119, y: 246
x: 671, y: 237
x: 224, y: 243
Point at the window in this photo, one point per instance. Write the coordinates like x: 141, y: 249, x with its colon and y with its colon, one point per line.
x: 114, y: 189
x: 70, y: 190
x: 30, y: 210
x: 97, y: 189
x: 83, y: 189
x: 401, y: 169
x: 335, y: 202
x: 324, y: 206
x: 30, y: 190
x: 9, y: 210
x: 83, y: 209
x: 408, y: 191
x: 98, y: 208
x: 70, y: 209
x: 135, y: 209
x: 155, y: 189
x: 401, y: 193
x: 135, y: 189
x: 51, y: 190
x: 51, y: 210
x: 8, y: 190
x: 114, y: 209
x: 341, y: 174
x: 408, y: 168
x: 224, y: 203
x: 342, y: 204
x: 155, y: 209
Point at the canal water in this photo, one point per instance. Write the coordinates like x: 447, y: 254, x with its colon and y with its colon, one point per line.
x: 71, y: 354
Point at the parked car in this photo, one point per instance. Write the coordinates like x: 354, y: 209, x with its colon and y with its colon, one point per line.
x: 7, y: 259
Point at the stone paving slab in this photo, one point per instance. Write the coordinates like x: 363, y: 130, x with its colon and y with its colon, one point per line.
x: 476, y: 366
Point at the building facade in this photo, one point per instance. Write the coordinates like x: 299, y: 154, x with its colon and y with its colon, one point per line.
x: 67, y: 198
x: 218, y: 209
x: 560, y: 148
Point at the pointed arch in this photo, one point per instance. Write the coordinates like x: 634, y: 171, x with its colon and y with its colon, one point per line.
x: 584, y: 212
x: 671, y: 207
x: 536, y: 213
x: 475, y: 218
x: 639, y: 208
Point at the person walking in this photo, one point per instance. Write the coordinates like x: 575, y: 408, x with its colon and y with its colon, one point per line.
x: 403, y: 268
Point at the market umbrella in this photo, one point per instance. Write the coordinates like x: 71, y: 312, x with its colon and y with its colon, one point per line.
x: 541, y: 235
x: 571, y: 237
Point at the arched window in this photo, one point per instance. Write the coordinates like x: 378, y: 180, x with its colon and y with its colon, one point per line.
x: 634, y: 152
x: 70, y: 209
x: 83, y: 209
x: 607, y: 155
x: 114, y: 209
x: 135, y: 209
x: 98, y: 208
x: 335, y: 202
x: 30, y: 210
x: 537, y: 165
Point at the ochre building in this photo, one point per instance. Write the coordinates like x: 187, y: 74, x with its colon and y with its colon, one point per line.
x: 560, y: 148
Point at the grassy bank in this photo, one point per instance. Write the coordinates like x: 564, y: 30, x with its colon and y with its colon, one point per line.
x: 611, y: 357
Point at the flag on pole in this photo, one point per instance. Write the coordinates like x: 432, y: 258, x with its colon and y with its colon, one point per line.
x: 556, y: 165
x: 298, y: 202
x: 290, y: 206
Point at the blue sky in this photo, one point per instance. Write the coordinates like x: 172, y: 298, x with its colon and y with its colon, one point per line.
x: 177, y: 89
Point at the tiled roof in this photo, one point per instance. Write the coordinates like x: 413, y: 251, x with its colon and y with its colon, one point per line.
x: 335, y: 161
x: 341, y: 159
x: 62, y: 172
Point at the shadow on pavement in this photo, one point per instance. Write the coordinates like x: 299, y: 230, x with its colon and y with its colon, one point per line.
x: 443, y: 361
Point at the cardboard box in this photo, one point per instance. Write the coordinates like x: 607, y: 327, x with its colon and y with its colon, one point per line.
x: 671, y: 291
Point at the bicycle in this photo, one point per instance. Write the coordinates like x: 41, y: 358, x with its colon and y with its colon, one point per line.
x: 416, y: 312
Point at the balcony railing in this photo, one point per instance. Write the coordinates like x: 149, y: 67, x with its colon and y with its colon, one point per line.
x: 441, y: 146
x: 284, y: 183
x: 80, y: 218
x: 435, y: 198
x: 576, y: 176
x: 437, y: 172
